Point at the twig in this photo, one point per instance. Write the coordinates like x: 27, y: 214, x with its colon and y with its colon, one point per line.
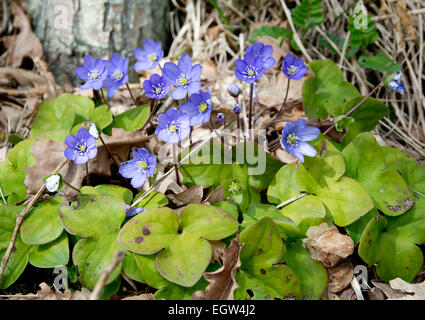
x: 118, y: 258
x: 291, y: 200
x: 20, y: 218
x: 2, y: 196
x: 295, y: 34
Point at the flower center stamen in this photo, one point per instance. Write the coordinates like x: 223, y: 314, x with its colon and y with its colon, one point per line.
x: 117, y: 75
x: 203, y: 107
x: 152, y: 57
x: 235, y: 187
x: 173, y: 128
x: 292, y: 70
x: 142, y: 165
x: 183, y: 81
x: 94, y: 74
x: 82, y: 147
x: 292, y: 140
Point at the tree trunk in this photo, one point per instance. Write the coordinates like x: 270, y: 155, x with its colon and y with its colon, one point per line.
x: 69, y: 29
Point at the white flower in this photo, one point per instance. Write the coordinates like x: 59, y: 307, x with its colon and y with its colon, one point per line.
x: 93, y: 131
x: 52, y: 182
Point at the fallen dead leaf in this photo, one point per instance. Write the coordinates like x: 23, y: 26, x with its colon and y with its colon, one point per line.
x: 216, y: 195
x: 25, y: 43
x: 327, y: 245
x: 409, y: 291
x: 389, y: 292
x: 348, y: 294
x: 340, y: 276
x: 191, y: 195
x: 218, y: 248
x: 222, y: 282
x: 47, y: 294
x: 144, y: 296
x: 376, y: 294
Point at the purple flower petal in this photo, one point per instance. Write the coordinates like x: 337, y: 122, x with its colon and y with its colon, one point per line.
x: 185, y: 63
x: 179, y: 93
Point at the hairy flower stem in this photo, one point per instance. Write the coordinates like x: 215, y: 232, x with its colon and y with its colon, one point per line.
x: 274, y: 147
x: 175, y: 164
x: 355, y: 107
x: 109, y: 151
x: 154, y: 104
x: 20, y: 219
x: 238, y: 124
x: 284, y: 100
x: 251, y: 100
x: 102, y: 96
x: 131, y: 94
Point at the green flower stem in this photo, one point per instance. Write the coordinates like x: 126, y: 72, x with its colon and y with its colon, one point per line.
x: 131, y: 94
x: 20, y: 219
x: 355, y: 107
x: 70, y: 185
x: 284, y: 100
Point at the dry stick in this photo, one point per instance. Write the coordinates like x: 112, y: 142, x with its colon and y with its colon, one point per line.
x: 291, y: 200
x: 20, y: 218
x: 118, y: 258
x: 131, y: 94
x: 284, y: 101
x: 355, y: 107
x: 154, y: 104
x: 2, y: 196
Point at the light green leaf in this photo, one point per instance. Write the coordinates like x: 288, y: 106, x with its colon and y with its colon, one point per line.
x: 109, y: 189
x: 310, y: 273
x: 102, y: 116
x: 306, y: 207
x: 365, y: 161
x: 379, y: 62
x: 391, y: 243
x: 186, y: 254
x: 51, y: 255
x: 133, y: 119
x: 153, y: 199
x: 97, y: 219
x: 19, y: 257
x: 43, y: 224
x: 258, y: 273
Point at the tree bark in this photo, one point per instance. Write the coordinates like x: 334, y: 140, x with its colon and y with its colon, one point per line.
x: 69, y: 29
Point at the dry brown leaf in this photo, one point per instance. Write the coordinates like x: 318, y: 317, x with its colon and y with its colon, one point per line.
x: 25, y: 43
x: 340, y: 276
x: 45, y: 293
x: 284, y: 156
x: 327, y: 245
x: 192, y: 195
x: 144, y: 296
x: 376, y: 294
x: 214, y: 32
x: 389, y: 292
x: 119, y: 143
x: 209, y: 71
x: 222, y: 282
x: 409, y: 291
x: 348, y: 294
x: 216, y: 195
x: 218, y: 248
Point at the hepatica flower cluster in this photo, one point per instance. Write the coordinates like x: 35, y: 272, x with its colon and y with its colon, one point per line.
x: 138, y: 217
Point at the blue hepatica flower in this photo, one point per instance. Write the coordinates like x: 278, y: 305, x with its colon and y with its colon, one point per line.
x: 93, y: 72
x: 81, y: 148
x: 237, y: 108
x: 173, y: 126
x: 220, y: 117
x: 396, y: 84
x: 133, y: 211
x: 263, y: 51
x: 138, y: 169
x: 294, y: 68
x: 117, y: 74
x: 249, y: 69
x: 198, y: 107
x: 234, y: 90
x: 156, y: 87
x: 294, y: 135
x: 184, y: 76
x: 149, y: 56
